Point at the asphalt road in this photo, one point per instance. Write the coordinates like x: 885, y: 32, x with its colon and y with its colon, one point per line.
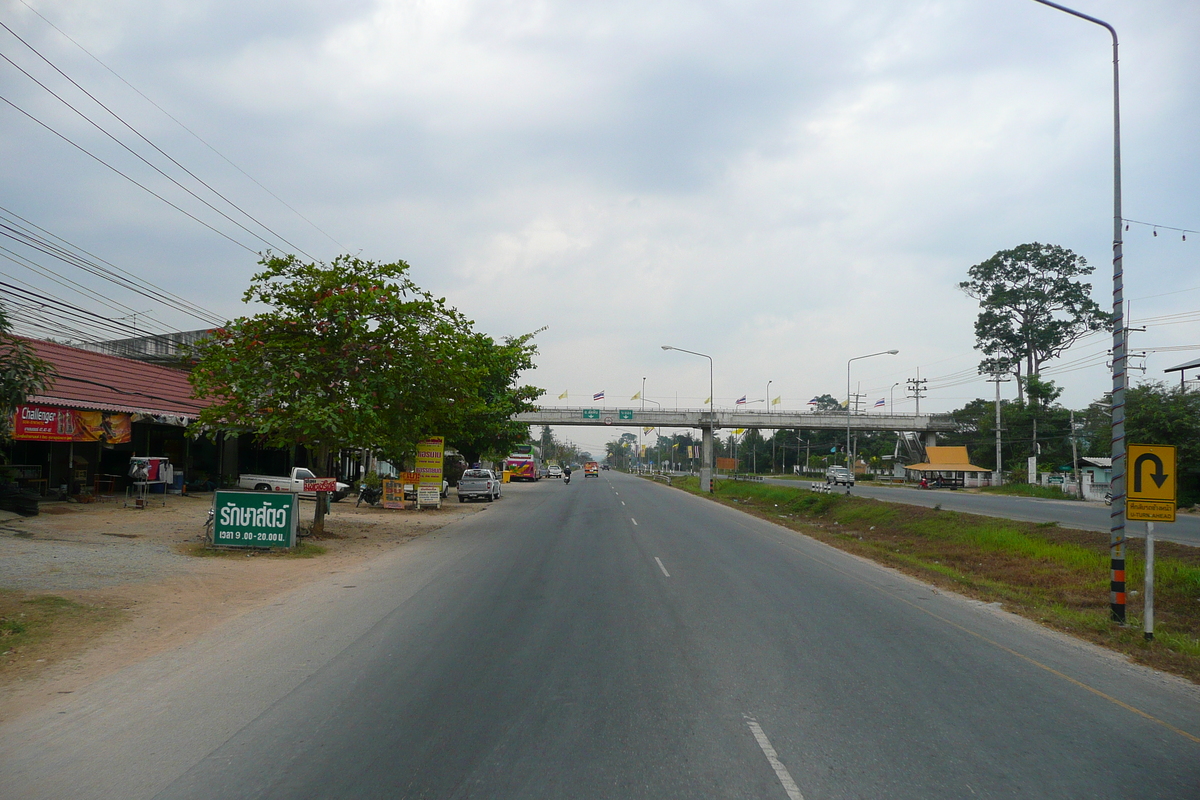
x: 618, y: 639
x: 1067, y: 513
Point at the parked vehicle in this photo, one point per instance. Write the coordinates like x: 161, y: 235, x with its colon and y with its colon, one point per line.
x: 478, y: 484
x: 591, y: 469
x: 522, y: 463
x: 836, y: 475
x: 290, y: 483
x: 369, y: 495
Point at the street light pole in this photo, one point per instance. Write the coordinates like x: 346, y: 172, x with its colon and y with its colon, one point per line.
x: 707, y: 470
x: 849, y: 465
x: 892, y: 396
x: 1117, y: 516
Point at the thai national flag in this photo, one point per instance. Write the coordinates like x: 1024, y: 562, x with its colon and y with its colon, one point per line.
x: 598, y: 396
x: 879, y: 403
x: 741, y: 400
x: 813, y: 402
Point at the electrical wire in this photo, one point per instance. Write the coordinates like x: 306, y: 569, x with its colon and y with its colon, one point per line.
x: 194, y: 135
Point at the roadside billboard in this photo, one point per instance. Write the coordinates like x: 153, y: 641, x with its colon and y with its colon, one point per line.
x: 393, y: 494
x: 431, y: 455
x: 254, y: 519
x: 33, y: 423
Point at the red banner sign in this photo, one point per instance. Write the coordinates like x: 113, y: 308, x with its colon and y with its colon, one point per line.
x: 320, y: 484
x: 51, y: 424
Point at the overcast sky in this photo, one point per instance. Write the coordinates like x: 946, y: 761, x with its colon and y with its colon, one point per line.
x: 782, y: 185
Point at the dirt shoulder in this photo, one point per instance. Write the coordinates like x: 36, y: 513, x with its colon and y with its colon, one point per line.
x: 136, y: 587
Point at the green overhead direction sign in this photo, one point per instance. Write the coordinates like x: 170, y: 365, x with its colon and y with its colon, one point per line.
x: 591, y: 413
x: 254, y: 519
x: 1150, y: 482
x: 623, y: 414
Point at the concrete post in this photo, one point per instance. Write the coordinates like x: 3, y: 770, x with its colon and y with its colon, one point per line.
x: 706, y: 462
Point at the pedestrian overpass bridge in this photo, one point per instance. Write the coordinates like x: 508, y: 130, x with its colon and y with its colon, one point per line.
x: 929, y: 425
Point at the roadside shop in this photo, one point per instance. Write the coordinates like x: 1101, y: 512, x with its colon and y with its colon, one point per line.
x: 77, y: 436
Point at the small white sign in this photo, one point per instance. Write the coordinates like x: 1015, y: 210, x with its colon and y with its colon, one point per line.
x: 429, y: 495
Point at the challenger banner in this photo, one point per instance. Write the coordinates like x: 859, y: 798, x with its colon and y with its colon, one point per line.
x: 50, y: 424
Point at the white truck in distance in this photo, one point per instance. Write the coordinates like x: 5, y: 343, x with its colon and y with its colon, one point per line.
x: 292, y: 483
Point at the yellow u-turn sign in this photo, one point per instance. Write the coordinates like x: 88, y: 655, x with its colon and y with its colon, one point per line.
x: 1150, y: 482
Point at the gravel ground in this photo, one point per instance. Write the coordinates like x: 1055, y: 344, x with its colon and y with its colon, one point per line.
x: 37, y: 565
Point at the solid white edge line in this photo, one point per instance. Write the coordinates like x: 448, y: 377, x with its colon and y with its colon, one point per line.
x: 660, y: 566
x: 785, y: 777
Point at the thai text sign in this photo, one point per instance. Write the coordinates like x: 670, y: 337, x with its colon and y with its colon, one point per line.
x: 320, y: 484
x: 1150, y: 484
x: 50, y: 424
x: 393, y: 494
x: 430, y: 454
x: 254, y: 519
x: 727, y: 463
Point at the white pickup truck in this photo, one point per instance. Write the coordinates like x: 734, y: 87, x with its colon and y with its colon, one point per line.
x: 293, y: 483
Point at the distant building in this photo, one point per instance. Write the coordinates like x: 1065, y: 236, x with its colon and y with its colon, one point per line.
x: 164, y: 349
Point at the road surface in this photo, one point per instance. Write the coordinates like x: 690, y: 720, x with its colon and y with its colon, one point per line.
x: 617, y: 639
x: 1067, y: 513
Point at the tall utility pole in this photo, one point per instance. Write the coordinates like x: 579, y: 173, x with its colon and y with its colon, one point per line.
x: 916, y: 389
x: 1075, y: 457
x: 998, y: 478
x: 1117, y: 519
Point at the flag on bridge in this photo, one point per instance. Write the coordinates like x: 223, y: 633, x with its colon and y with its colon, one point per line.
x: 880, y: 403
x: 636, y: 396
x: 707, y: 400
x: 814, y: 401
x: 598, y: 396
x: 741, y: 400
x: 562, y: 396
x: 775, y: 402
x: 647, y: 430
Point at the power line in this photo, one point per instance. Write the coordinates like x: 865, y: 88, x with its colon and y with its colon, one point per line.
x: 149, y: 191
x: 195, y: 135
x: 138, y: 133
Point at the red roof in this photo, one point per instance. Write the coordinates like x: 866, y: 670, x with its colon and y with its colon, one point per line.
x: 100, y: 382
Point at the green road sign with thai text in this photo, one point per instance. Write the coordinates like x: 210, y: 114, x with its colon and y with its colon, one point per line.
x: 255, y: 519
x: 591, y: 413
x: 624, y: 414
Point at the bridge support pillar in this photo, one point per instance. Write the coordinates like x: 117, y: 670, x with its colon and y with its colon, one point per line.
x: 929, y: 438
x: 706, y: 459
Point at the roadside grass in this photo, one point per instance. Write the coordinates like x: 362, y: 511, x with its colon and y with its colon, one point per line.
x: 302, y: 550
x: 1028, y: 490
x: 37, y: 630
x: 1056, y: 576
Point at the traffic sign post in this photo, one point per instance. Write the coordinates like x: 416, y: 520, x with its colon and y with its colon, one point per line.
x: 1152, y: 499
x: 1151, y: 482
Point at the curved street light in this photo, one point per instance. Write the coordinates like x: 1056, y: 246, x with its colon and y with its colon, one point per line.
x: 849, y: 464
x: 711, y: 417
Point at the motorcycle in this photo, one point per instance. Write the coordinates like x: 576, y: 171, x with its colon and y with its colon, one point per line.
x: 566, y: 479
x: 1108, y: 498
x: 372, y: 496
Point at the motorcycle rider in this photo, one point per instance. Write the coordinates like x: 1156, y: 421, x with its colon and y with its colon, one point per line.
x: 566, y: 475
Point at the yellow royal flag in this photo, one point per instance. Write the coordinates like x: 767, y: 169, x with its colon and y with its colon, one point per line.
x: 647, y: 430
x: 775, y: 402
x: 562, y: 396
x: 739, y: 431
x: 707, y: 400
x: 637, y: 396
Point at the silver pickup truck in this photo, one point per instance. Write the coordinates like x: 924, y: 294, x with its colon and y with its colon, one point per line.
x: 478, y: 484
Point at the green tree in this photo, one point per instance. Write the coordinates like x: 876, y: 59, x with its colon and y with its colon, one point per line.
x: 1157, y: 414
x: 828, y: 402
x: 350, y: 354
x: 1032, y: 308
x: 21, y: 374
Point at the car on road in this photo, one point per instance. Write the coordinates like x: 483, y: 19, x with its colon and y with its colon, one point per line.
x: 605, y: 467
x: 555, y: 471
x: 478, y: 484
x: 839, y: 475
x: 591, y: 469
